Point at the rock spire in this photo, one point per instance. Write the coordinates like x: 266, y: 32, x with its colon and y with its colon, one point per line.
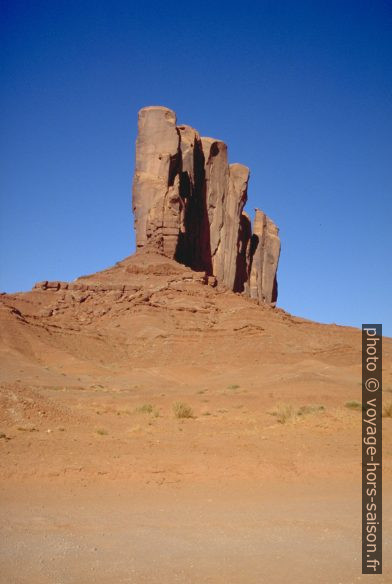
x: 188, y: 205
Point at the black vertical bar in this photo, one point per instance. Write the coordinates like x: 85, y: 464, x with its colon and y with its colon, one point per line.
x: 371, y: 449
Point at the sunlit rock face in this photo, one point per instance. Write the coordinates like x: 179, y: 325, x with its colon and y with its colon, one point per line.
x: 188, y: 205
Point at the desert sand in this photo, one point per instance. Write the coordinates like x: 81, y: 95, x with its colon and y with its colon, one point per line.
x: 101, y: 482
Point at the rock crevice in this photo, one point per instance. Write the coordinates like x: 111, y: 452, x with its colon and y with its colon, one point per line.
x: 188, y: 205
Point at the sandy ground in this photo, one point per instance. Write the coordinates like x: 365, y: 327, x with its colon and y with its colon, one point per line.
x: 100, y: 482
x: 111, y: 532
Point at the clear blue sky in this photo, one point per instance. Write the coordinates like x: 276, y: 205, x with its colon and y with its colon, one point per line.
x: 300, y: 91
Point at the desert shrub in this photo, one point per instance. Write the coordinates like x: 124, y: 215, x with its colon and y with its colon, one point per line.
x: 285, y: 413
x: 145, y: 409
x: 234, y: 386
x: 288, y: 413
x: 182, y: 410
x: 354, y: 404
x: 27, y: 429
x: 102, y: 432
x: 310, y: 409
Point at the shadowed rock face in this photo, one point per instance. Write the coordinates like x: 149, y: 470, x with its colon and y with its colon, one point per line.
x: 188, y: 205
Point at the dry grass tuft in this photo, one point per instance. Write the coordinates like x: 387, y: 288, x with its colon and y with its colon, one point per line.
x: 285, y: 413
x: 102, y: 432
x: 310, y: 409
x: 148, y: 409
x: 145, y: 409
x: 27, y: 429
x: 182, y: 410
x: 354, y: 404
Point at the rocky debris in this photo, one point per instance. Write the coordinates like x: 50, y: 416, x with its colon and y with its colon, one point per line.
x: 192, y: 277
x: 137, y: 281
x: 188, y: 205
x: 45, y: 285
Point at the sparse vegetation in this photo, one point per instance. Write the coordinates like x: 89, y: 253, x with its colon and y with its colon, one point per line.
x: 284, y: 413
x: 102, y: 432
x: 354, y: 404
x: 310, y: 409
x: 234, y: 386
x: 387, y: 410
x: 182, y: 410
x: 148, y: 409
x: 288, y: 413
x: 145, y: 409
x: 27, y: 429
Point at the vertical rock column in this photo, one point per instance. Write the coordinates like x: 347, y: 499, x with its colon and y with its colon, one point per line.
x: 156, y: 202
x: 265, y: 251
x: 216, y: 171
x: 228, y: 250
x: 225, y: 195
x: 241, y: 283
x: 190, y: 250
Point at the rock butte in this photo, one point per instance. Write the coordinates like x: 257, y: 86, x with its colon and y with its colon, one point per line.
x: 188, y: 205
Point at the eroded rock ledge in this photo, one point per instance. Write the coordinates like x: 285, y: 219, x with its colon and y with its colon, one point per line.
x: 188, y: 205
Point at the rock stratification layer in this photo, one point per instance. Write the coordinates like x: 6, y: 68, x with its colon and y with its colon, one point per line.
x: 188, y: 205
